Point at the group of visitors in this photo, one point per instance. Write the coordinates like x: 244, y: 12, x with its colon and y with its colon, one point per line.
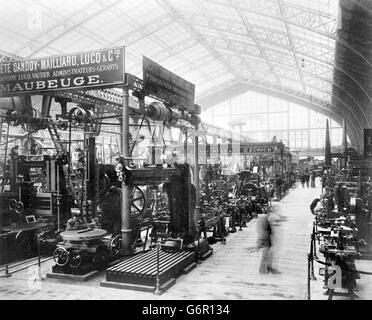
x: 307, y: 178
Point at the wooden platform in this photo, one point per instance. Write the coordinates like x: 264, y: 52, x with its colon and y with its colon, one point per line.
x: 139, y: 272
x: 72, y: 277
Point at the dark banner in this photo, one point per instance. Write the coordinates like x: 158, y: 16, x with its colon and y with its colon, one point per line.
x: 260, y: 149
x: 95, y: 69
x: 165, y: 85
x: 368, y: 142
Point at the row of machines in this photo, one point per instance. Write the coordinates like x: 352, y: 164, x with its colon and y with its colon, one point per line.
x: 343, y: 231
x: 228, y: 203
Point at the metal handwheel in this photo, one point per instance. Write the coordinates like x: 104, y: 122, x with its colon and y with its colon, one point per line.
x: 61, y: 256
x: 75, y: 260
x: 138, y: 201
x: 115, y: 245
x: 12, y: 204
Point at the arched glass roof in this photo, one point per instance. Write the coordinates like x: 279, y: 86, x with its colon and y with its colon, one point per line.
x: 284, y: 47
x: 287, y: 44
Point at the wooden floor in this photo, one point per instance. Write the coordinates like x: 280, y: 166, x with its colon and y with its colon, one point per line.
x: 230, y: 273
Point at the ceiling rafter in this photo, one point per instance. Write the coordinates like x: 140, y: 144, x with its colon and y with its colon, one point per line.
x: 244, y: 5
x: 168, y: 7
x: 67, y: 25
x: 257, y: 42
x: 299, y: 67
x: 146, y: 32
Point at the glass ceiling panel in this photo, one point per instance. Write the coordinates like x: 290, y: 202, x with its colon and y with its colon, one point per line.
x: 172, y: 33
x: 208, y: 32
x: 220, y: 11
x: 183, y: 5
x: 260, y: 20
x: 329, y: 7
x: 310, y: 35
x: 202, y: 87
x: 196, y: 52
x: 9, y: 42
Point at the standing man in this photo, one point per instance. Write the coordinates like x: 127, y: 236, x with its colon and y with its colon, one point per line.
x: 312, y: 177
x: 307, y: 178
x: 303, y: 179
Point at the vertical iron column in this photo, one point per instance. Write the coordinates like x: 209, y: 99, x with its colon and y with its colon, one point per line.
x: 196, y: 179
x: 125, y: 189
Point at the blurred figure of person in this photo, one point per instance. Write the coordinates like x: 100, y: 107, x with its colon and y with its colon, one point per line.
x: 307, y: 178
x: 303, y: 179
x: 278, y: 185
x: 312, y: 179
x: 265, y: 243
x: 324, y: 180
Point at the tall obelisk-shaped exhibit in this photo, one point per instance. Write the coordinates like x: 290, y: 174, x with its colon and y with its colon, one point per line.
x: 327, y: 147
x: 344, y: 145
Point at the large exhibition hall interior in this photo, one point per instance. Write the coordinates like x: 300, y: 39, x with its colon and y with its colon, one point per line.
x: 186, y: 150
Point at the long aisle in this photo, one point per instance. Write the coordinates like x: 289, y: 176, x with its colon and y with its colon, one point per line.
x: 230, y: 273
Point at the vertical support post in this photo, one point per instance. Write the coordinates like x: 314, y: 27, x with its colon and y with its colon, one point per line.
x: 308, y: 296
x: 344, y: 145
x: 58, y: 202
x: 196, y: 179
x: 5, y: 152
x: 311, y: 257
x: 110, y: 149
x: 38, y: 258
x: 185, y: 145
x: 125, y: 189
x: 7, y: 273
x: 157, y: 288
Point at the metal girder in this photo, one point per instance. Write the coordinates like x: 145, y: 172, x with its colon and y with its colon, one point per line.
x: 68, y: 24
x: 311, y: 69
x: 144, y: 29
x: 314, y: 68
x: 211, y: 21
x: 257, y: 42
x: 315, y: 21
x: 295, y: 15
x: 267, y: 35
x: 149, y: 31
x: 168, y: 7
x: 281, y: 7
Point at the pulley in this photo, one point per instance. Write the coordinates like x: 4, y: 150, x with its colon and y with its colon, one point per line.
x: 79, y: 116
x: 157, y: 111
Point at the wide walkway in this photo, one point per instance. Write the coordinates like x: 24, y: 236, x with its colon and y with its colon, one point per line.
x: 230, y: 273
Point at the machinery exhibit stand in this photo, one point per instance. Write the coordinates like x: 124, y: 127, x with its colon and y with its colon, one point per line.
x: 84, y: 250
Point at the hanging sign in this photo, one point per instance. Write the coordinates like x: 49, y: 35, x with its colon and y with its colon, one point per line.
x: 94, y: 69
x: 167, y: 86
x: 260, y: 149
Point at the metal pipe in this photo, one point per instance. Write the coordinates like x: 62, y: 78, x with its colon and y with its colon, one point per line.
x: 157, y: 288
x: 30, y: 265
x: 7, y: 274
x: 5, y: 152
x: 58, y: 201
x: 38, y: 258
x: 126, y: 230
x: 196, y: 181
x: 308, y: 296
